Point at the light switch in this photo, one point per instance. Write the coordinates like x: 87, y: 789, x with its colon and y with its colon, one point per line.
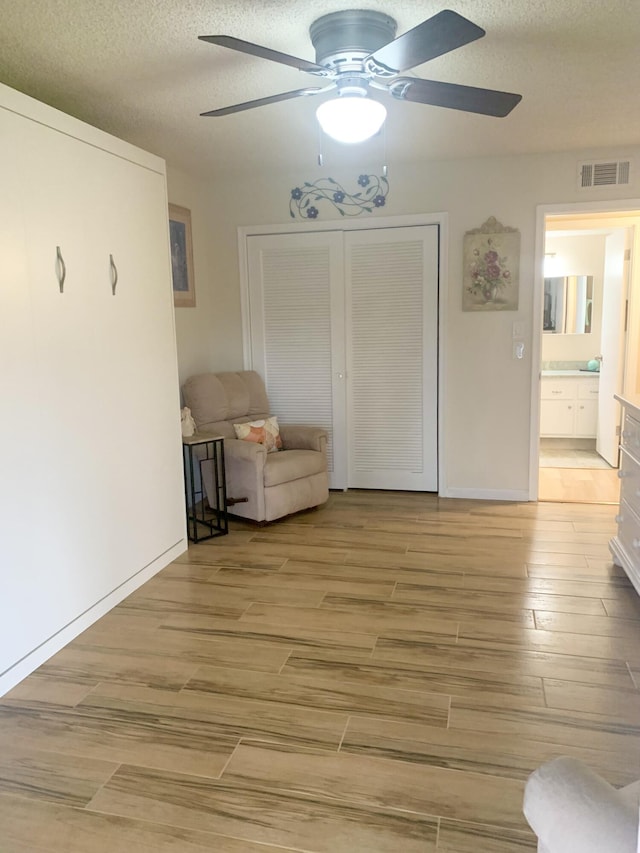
x: 518, y: 349
x: 518, y: 329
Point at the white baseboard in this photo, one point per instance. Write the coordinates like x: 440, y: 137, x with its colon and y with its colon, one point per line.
x: 518, y: 495
x: 24, y: 667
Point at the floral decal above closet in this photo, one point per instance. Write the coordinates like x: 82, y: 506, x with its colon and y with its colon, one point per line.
x: 305, y: 200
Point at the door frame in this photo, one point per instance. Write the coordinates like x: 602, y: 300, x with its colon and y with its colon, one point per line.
x: 542, y: 211
x: 440, y: 219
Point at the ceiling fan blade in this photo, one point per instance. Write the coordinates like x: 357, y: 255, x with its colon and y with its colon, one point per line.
x: 260, y: 102
x: 266, y: 53
x: 437, y: 35
x: 487, y: 102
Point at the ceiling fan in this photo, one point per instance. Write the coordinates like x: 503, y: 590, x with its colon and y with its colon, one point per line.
x: 356, y: 50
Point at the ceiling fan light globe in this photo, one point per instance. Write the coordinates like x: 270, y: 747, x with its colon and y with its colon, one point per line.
x: 351, y: 119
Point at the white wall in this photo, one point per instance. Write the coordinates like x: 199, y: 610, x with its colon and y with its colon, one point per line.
x: 487, y: 393
x: 207, y: 335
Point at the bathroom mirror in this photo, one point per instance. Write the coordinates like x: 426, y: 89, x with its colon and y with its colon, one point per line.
x: 568, y: 305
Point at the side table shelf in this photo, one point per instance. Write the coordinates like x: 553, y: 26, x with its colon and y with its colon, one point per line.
x: 204, y: 523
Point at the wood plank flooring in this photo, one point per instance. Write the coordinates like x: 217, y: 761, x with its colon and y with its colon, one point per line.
x: 380, y: 675
x: 579, y: 485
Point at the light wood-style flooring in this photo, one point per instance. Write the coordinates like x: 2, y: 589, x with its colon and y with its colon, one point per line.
x: 379, y: 675
x: 579, y: 485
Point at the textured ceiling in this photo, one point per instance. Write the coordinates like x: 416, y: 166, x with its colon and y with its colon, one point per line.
x: 136, y: 69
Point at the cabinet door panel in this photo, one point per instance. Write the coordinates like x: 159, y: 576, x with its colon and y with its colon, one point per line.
x: 19, y: 432
x: 392, y: 334
x: 107, y: 459
x: 64, y: 207
x: 136, y: 363
x: 296, y: 291
x: 587, y: 418
x: 556, y: 418
x: 631, y: 434
x: 56, y: 577
x: 630, y: 481
x: 629, y: 536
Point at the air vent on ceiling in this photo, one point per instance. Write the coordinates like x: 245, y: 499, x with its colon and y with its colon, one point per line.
x: 604, y: 173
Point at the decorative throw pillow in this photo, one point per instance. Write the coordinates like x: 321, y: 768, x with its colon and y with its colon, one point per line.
x: 265, y: 432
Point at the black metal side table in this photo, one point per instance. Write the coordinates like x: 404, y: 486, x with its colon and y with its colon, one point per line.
x: 198, y: 450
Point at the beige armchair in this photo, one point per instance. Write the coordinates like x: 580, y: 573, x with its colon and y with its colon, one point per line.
x: 274, y: 484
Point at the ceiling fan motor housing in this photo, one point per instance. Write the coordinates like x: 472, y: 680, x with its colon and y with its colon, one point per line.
x: 343, y: 39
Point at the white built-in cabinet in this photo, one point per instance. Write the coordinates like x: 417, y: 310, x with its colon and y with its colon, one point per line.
x: 569, y: 407
x: 90, y: 450
x: 343, y: 325
x: 625, y: 545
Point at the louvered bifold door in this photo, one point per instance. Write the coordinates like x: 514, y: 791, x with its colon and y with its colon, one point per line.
x: 296, y: 296
x: 392, y: 325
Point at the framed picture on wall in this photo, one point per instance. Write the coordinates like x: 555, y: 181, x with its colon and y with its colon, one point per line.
x: 184, y: 293
x: 491, y: 262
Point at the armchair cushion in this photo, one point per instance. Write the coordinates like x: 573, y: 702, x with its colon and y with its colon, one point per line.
x: 292, y: 465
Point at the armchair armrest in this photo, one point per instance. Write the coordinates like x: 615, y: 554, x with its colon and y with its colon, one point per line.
x: 246, y: 451
x: 573, y: 810
x: 299, y: 437
x: 244, y: 463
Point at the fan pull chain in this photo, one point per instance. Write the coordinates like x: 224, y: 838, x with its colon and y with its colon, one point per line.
x: 320, y: 155
x: 384, y: 150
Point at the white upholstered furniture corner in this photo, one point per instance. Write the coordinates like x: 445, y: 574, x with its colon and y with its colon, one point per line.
x: 273, y: 484
x: 573, y: 810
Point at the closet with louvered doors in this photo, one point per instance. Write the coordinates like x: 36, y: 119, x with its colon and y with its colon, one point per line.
x: 343, y: 325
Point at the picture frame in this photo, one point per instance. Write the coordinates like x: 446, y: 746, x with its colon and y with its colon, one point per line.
x: 491, y: 268
x: 184, y: 293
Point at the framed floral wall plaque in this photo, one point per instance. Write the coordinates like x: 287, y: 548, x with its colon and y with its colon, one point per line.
x: 491, y: 268
x: 184, y: 292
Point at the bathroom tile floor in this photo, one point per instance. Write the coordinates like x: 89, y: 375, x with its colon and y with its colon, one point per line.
x: 555, y: 453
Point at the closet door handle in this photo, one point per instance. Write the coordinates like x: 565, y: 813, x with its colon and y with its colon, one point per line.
x: 114, y: 275
x: 61, y: 271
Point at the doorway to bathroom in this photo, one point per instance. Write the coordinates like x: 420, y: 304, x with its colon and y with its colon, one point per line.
x: 589, y: 349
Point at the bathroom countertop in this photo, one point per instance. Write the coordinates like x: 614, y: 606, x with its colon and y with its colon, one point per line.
x: 570, y: 373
